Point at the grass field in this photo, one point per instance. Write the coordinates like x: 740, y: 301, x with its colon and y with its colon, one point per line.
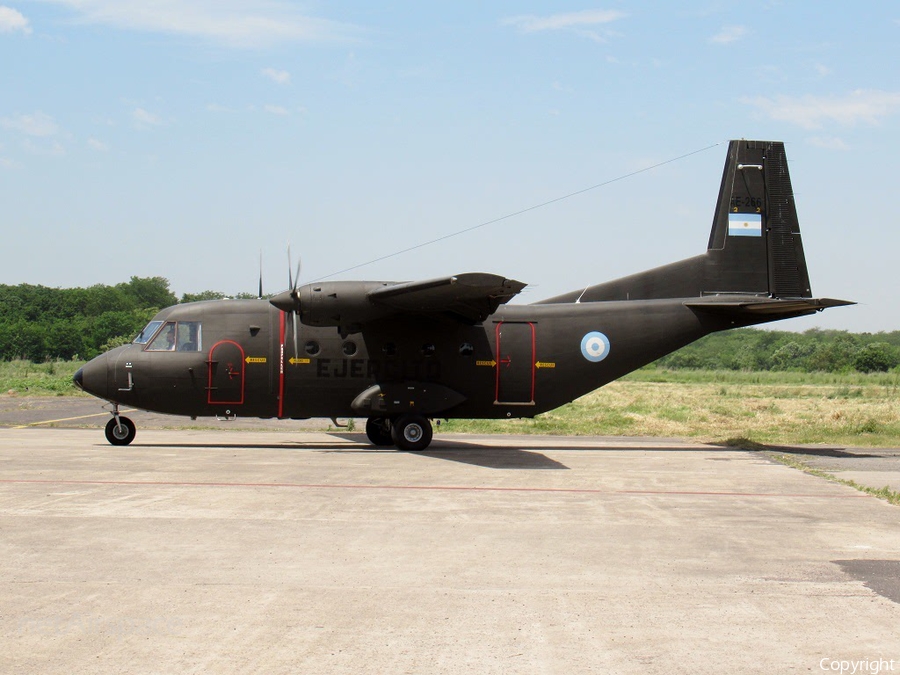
x: 727, y: 407
x: 771, y: 408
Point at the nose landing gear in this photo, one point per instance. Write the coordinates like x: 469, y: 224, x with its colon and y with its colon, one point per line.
x: 120, y: 430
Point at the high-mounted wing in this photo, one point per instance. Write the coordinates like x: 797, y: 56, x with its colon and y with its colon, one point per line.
x: 469, y: 297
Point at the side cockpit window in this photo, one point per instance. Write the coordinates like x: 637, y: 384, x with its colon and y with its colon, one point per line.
x: 180, y: 336
x: 188, y: 336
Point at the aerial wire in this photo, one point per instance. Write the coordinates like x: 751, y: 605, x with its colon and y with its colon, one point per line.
x: 521, y: 211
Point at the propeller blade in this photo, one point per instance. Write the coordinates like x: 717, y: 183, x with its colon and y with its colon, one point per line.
x: 260, y: 276
x: 290, y: 267
x: 296, y: 318
x: 297, y: 276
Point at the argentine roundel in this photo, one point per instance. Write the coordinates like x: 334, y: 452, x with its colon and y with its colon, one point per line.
x: 595, y: 346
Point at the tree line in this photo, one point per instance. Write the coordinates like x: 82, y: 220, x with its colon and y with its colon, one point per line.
x: 40, y: 323
x: 814, y: 350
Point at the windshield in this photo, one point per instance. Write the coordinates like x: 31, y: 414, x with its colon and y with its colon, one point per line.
x: 144, y: 336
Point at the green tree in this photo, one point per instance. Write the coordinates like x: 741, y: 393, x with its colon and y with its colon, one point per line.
x: 875, y: 357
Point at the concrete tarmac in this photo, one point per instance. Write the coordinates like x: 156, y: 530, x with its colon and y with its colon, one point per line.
x: 193, y: 551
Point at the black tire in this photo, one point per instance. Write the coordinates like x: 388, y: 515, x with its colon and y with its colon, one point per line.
x: 120, y: 435
x: 411, y: 432
x: 378, y: 429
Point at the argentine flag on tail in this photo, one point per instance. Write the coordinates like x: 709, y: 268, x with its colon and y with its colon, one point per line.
x: 744, y: 225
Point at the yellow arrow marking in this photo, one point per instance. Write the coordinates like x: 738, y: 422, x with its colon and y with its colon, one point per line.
x: 295, y: 361
x: 255, y: 359
x: 486, y: 363
x: 544, y: 364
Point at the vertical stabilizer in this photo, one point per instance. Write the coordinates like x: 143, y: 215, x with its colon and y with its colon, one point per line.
x: 754, y: 248
x: 755, y: 244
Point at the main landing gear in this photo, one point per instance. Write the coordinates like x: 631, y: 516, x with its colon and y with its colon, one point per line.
x: 120, y: 430
x: 409, y: 432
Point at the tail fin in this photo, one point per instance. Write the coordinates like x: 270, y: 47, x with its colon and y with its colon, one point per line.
x: 754, y: 247
x: 755, y: 244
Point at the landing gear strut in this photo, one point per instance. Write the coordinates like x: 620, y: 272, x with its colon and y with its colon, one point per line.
x: 120, y: 430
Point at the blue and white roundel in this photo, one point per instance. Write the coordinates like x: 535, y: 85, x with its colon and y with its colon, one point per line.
x: 595, y: 346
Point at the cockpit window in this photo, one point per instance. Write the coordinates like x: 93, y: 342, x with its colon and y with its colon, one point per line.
x: 165, y: 340
x: 182, y: 336
x: 144, y: 336
x: 188, y: 336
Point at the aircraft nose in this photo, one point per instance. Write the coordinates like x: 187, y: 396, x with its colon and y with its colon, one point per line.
x: 92, y: 377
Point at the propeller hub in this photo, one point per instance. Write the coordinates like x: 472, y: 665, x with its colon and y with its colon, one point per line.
x: 287, y: 301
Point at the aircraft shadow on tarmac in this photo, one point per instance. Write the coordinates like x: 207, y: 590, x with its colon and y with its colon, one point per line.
x: 476, y: 454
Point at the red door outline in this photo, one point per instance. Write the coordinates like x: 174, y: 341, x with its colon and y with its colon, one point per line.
x: 512, y: 358
x: 231, y: 373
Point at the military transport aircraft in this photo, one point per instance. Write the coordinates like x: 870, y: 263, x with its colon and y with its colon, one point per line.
x: 403, y: 354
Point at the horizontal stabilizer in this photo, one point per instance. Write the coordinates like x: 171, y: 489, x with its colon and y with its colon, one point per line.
x: 756, y: 306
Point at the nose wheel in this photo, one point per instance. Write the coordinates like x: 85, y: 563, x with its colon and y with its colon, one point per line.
x: 120, y: 430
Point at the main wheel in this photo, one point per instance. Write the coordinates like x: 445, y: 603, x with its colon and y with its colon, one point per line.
x: 378, y: 429
x: 121, y: 432
x: 411, y: 432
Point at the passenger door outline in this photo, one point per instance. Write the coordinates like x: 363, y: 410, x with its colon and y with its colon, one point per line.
x: 226, y: 378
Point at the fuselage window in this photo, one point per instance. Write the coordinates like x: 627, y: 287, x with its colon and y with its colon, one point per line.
x: 349, y: 348
x: 144, y: 336
x: 182, y: 336
x: 312, y: 347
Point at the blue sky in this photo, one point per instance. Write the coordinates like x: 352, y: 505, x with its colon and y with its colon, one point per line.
x: 180, y: 138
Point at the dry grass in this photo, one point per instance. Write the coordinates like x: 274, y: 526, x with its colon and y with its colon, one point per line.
x: 771, y: 414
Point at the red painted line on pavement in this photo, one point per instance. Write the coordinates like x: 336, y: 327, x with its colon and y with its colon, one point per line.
x: 458, y: 488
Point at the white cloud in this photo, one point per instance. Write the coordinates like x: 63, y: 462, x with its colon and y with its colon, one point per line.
x: 530, y: 23
x: 236, y: 23
x: 813, y: 112
x: 728, y: 35
x: 144, y: 119
x: 97, y: 144
x: 277, y: 76
x: 38, y: 124
x: 829, y: 143
x: 276, y: 109
x: 12, y: 20
x: 47, y: 147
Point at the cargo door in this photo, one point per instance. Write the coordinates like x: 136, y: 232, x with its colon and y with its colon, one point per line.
x: 515, y: 363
